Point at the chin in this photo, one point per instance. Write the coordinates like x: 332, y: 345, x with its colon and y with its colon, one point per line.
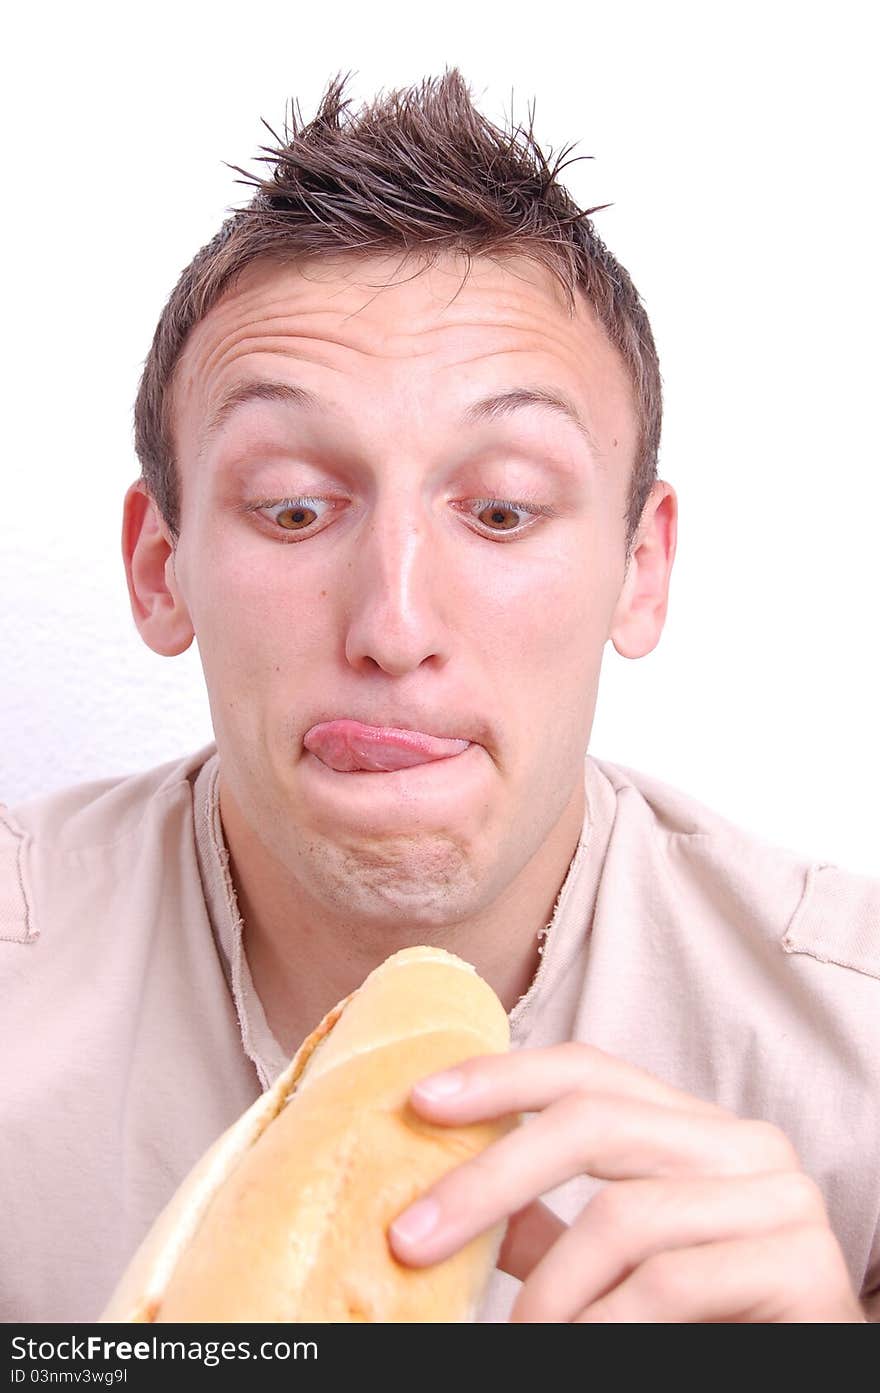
x: 427, y: 881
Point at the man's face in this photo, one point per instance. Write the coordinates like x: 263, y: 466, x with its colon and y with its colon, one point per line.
x: 348, y: 550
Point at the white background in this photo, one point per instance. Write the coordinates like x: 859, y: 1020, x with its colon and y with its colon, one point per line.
x: 738, y: 144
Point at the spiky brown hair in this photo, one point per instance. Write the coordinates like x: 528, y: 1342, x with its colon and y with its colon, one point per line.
x: 417, y: 170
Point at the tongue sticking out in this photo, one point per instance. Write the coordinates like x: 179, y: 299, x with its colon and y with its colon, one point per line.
x: 348, y: 746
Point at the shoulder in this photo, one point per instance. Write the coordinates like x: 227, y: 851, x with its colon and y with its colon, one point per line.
x: 808, y: 907
x: 103, y: 810
x: 79, y: 828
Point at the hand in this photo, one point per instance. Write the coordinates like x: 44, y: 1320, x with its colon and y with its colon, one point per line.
x: 709, y: 1217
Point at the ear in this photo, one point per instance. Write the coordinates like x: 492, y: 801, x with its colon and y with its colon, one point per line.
x: 159, y: 611
x: 640, y: 612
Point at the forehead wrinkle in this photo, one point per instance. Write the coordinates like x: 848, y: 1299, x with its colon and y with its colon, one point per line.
x: 224, y: 355
x: 551, y: 340
x: 260, y: 303
x: 242, y: 340
x: 425, y: 326
x: 237, y: 345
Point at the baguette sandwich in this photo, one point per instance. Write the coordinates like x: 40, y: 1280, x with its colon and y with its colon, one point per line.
x: 285, y: 1217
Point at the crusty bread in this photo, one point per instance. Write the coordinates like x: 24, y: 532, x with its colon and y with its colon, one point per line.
x: 285, y: 1218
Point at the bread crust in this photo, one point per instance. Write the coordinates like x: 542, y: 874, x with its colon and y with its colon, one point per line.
x: 285, y: 1217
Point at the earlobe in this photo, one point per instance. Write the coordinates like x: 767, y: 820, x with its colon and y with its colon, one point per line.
x: 641, y: 607
x: 157, y: 605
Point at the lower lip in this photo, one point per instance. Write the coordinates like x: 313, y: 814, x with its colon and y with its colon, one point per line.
x: 360, y: 788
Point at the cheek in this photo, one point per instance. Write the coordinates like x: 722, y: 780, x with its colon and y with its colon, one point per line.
x: 245, y: 615
x: 245, y: 594
x: 543, y: 614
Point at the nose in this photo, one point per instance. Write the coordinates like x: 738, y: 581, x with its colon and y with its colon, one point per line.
x: 399, y: 595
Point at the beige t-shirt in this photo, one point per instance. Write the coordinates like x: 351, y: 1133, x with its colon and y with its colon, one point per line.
x: 132, y: 1034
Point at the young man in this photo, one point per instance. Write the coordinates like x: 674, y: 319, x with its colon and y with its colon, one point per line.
x: 398, y: 430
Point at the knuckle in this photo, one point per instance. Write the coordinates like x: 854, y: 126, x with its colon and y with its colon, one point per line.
x: 608, y: 1209
x: 626, y: 1214
x: 468, y: 1184
x: 581, y: 1055
x: 819, y: 1243
x: 805, y: 1198
x: 479, y: 1167
x: 819, y: 1247
x: 662, y: 1281
x: 468, y: 1181
x: 767, y: 1146
x: 815, y: 1262
x: 576, y: 1109
x: 479, y: 1067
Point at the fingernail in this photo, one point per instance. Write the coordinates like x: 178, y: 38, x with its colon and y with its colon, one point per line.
x: 441, y: 1085
x: 416, y: 1222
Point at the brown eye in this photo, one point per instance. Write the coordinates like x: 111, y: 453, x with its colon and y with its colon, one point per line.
x: 498, y: 517
x: 295, y: 517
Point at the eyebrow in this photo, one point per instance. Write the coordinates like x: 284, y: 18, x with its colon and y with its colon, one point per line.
x: 490, y: 408
x: 505, y: 403
x: 254, y: 390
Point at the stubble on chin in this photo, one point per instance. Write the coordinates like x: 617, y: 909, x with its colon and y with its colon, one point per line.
x: 424, y: 877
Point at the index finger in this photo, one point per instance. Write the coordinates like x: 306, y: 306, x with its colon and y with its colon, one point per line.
x: 530, y: 1079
